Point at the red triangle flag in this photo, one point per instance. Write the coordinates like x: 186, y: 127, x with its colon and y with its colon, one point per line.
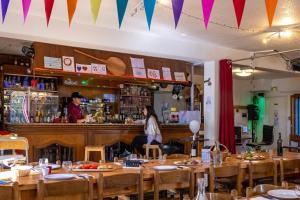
x: 48, y: 9
x: 71, y: 9
x: 239, y: 6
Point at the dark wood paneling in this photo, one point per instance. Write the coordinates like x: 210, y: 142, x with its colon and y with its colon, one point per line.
x: 51, y: 50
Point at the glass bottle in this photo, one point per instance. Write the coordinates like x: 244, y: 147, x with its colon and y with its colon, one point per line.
x: 194, y: 147
x: 201, y: 189
x: 279, y: 146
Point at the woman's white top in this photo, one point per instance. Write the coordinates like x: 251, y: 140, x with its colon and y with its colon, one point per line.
x: 152, y: 130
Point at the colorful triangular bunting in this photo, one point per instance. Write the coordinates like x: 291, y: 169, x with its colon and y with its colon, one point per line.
x: 26, y: 6
x: 71, y: 9
x: 4, y: 6
x: 48, y: 9
x: 177, y: 9
x: 271, y: 7
x: 207, y: 6
x: 121, y: 6
x: 239, y: 6
x: 95, y: 7
x: 149, y: 9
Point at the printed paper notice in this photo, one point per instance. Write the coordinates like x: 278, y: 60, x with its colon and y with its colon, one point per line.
x: 99, y: 69
x: 137, y: 63
x: 139, y: 72
x: 52, y: 63
x: 153, y: 73
x: 167, y: 73
x: 179, y: 76
x: 68, y: 64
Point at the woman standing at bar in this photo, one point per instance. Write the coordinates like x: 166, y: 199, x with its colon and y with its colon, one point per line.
x: 151, y: 129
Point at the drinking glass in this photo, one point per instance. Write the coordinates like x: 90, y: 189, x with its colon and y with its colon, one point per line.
x: 133, y: 156
x: 43, y: 162
x: 297, y: 190
x: 162, y: 159
x: 234, y: 194
x: 201, y: 188
x: 67, y: 166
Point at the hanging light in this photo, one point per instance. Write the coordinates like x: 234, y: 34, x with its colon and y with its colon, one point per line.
x: 244, y: 73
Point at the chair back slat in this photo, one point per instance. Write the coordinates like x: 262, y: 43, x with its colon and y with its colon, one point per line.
x: 121, y: 184
x: 9, y: 192
x: 77, y: 188
x: 289, y: 167
x: 176, y: 179
x: 262, y: 170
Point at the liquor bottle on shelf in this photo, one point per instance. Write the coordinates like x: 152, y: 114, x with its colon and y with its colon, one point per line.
x: 194, y: 147
x: 279, y: 146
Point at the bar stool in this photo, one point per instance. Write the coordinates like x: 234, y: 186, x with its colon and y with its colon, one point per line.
x: 89, y: 149
x: 154, y: 149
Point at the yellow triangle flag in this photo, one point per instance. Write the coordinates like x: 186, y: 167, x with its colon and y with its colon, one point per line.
x: 95, y: 7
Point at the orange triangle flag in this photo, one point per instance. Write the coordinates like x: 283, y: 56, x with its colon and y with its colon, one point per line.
x: 71, y: 9
x: 271, y: 7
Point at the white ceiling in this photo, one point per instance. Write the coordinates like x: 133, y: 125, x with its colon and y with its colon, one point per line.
x: 190, y: 27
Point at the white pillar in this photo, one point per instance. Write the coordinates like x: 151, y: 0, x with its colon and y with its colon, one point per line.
x: 211, y: 101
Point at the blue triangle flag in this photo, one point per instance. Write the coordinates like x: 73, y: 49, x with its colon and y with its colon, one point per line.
x: 121, y: 5
x: 149, y: 9
x: 4, y: 6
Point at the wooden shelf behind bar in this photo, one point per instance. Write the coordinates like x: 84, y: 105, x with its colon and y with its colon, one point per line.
x: 122, y: 79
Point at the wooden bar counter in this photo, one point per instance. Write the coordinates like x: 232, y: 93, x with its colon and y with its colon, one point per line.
x: 80, y: 135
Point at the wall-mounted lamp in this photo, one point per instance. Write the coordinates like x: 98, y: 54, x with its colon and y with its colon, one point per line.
x: 208, y: 81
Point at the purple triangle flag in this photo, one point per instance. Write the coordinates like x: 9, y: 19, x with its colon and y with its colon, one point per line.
x: 207, y: 6
x: 26, y: 6
x: 4, y: 6
x: 177, y: 9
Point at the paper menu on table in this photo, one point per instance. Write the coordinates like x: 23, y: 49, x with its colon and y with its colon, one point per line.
x: 179, y: 76
x: 52, y: 63
x: 167, y: 73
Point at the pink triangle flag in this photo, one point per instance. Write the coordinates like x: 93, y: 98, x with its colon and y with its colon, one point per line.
x: 26, y: 6
x: 207, y: 6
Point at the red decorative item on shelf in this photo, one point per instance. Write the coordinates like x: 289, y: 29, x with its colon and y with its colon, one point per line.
x: 5, y: 132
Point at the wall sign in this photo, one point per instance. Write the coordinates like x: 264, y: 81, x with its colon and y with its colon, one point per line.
x: 81, y: 68
x: 52, y: 63
x: 179, y: 76
x: 68, y: 64
x: 167, y: 73
x: 139, y: 72
x: 137, y: 63
x: 99, y: 69
x: 153, y: 73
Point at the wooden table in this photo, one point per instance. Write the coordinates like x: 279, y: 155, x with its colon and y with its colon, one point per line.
x: 28, y: 185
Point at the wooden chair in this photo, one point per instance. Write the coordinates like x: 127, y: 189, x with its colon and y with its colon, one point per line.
x: 14, y: 143
x: 89, y: 149
x: 154, y: 149
x: 173, y: 180
x: 120, y: 184
x: 260, y: 189
x: 225, y: 175
x: 10, y: 192
x: 288, y: 169
x: 79, y: 189
x: 258, y: 171
x: 178, y: 156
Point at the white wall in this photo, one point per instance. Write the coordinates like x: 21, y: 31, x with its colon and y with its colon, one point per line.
x: 276, y: 102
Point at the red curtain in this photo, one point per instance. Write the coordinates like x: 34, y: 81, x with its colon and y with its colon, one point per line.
x: 226, y: 123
